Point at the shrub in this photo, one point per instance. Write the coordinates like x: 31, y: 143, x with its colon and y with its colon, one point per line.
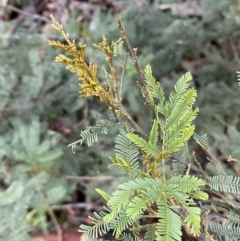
x: 161, y: 181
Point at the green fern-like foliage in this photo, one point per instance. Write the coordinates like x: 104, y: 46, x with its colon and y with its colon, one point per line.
x: 90, y: 135
x: 158, y: 185
x: 134, y: 199
x: 130, y: 202
x: 148, y: 191
x: 118, y: 47
x: 35, y: 155
x: 34, y: 189
x: 172, y: 126
x: 228, y: 231
x: 17, y: 201
x: 230, y: 146
x: 202, y: 140
x: 12, y: 193
x: 126, y: 155
x: 174, y: 116
x: 229, y: 184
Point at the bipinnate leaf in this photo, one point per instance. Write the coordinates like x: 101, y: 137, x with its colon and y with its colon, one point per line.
x: 146, y: 147
x: 154, y: 133
x: 193, y: 220
x: 12, y: 194
x: 104, y: 195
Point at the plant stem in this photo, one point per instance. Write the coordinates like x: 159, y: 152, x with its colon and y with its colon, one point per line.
x: 133, y: 52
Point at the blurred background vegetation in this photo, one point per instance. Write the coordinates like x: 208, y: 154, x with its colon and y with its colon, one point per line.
x: 41, y: 112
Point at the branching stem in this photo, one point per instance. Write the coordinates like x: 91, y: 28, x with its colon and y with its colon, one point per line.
x: 56, y: 224
x: 133, y: 52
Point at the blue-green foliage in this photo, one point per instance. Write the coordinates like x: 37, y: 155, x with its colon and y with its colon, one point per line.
x: 34, y: 186
x: 20, y: 198
x: 228, y: 184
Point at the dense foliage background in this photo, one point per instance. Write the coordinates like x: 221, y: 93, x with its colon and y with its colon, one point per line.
x: 41, y: 112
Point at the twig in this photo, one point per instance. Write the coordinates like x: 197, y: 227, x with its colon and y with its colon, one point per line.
x: 86, y: 206
x: 199, y: 165
x: 73, y: 144
x: 130, y: 121
x: 56, y: 224
x: 92, y: 178
x: 212, y: 158
x: 26, y: 13
x: 133, y: 52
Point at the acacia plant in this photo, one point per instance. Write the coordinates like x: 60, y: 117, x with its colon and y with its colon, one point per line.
x: 159, y: 196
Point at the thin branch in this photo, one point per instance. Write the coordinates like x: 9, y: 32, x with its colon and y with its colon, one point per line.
x: 107, y: 126
x: 34, y: 16
x: 133, y: 52
x: 86, y: 206
x: 130, y: 121
x: 92, y: 178
x: 56, y: 224
x: 199, y: 165
x: 212, y: 158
